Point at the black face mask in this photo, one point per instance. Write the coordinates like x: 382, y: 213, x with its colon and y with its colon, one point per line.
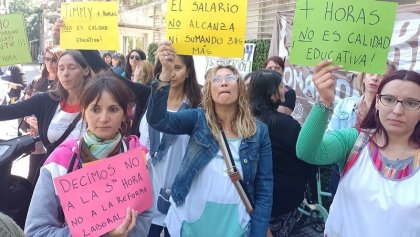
x: 277, y: 103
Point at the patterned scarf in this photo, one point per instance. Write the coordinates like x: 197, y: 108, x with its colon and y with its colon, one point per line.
x: 93, y: 148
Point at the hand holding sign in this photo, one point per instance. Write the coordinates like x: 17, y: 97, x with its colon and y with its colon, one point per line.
x: 166, y: 56
x: 325, y: 81
x: 128, y: 224
x: 96, y: 197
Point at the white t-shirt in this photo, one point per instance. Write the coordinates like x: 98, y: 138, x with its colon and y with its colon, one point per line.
x: 163, y: 172
x: 212, y: 206
x: 369, y: 204
x: 59, y: 124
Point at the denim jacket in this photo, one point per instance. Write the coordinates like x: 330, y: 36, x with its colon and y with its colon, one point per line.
x: 159, y: 147
x: 254, y: 153
x: 344, y: 115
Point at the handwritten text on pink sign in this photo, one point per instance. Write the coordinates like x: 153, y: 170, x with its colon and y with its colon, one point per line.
x: 95, y: 198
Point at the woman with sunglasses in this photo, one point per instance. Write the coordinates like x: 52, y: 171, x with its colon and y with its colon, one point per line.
x: 48, y: 73
x: 133, y: 61
x: 204, y: 200
x: 378, y: 194
x: 43, y: 83
x: 57, y: 109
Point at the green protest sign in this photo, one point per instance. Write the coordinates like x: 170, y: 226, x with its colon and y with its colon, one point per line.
x: 355, y: 34
x: 14, y: 46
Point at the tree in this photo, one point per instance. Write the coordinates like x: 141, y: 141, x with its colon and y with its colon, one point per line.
x: 31, y: 15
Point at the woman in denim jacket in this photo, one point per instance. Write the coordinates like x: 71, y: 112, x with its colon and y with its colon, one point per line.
x: 204, y: 199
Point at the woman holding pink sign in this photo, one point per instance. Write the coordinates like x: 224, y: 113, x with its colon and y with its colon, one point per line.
x: 104, y: 106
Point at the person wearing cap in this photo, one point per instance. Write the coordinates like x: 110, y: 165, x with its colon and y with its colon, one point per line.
x: 17, y: 82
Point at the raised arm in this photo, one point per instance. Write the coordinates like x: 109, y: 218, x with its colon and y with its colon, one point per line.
x: 314, y: 145
x: 157, y: 116
x: 23, y: 108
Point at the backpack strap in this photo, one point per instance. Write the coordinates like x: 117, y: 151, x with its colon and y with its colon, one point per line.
x: 361, y: 142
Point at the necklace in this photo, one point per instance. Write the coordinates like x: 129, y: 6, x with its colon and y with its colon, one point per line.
x: 50, y: 83
x: 392, y: 163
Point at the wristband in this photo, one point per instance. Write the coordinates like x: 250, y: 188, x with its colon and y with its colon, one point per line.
x: 325, y: 108
x: 158, y: 79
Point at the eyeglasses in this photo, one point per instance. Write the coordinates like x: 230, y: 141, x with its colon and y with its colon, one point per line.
x: 132, y: 57
x: 49, y: 60
x: 408, y: 104
x: 229, y: 79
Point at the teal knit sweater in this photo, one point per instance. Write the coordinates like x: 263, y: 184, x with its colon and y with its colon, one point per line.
x: 316, y: 146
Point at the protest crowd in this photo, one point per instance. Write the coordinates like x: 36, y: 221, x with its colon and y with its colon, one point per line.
x: 223, y: 159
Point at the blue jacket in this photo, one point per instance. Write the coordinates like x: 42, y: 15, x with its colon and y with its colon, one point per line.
x: 254, y: 152
x: 344, y: 115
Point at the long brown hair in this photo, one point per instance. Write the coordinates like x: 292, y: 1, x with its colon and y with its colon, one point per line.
x: 58, y: 92
x: 191, y: 87
x: 244, y: 124
x: 56, y: 51
x: 107, y: 81
x: 359, y: 83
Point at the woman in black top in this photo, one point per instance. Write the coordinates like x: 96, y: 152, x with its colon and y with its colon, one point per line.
x: 41, y: 84
x: 75, y: 73
x: 266, y: 91
x: 132, y: 62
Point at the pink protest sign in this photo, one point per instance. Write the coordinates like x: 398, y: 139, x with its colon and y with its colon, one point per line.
x: 95, y: 198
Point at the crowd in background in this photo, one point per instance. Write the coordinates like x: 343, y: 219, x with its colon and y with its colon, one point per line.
x: 86, y: 107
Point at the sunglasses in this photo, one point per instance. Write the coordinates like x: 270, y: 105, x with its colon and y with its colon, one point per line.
x: 50, y: 60
x: 132, y: 57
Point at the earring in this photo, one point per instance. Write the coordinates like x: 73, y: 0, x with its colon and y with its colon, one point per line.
x: 124, y: 127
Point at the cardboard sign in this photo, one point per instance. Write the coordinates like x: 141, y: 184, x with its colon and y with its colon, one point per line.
x: 404, y: 54
x: 355, y: 34
x: 90, y: 25
x: 14, y: 47
x: 207, y: 28
x: 243, y: 65
x: 95, y: 198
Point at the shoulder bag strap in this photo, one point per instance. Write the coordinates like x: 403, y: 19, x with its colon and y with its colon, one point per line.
x: 233, y: 173
x: 66, y: 133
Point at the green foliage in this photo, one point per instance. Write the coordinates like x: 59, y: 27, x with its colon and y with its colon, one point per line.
x: 260, y: 54
x: 151, y: 52
x: 31, y: 15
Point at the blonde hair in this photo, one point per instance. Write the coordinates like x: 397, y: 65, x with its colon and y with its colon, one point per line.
x: 147, y: 72
x: 244, y: 124
x: 359, y: 83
